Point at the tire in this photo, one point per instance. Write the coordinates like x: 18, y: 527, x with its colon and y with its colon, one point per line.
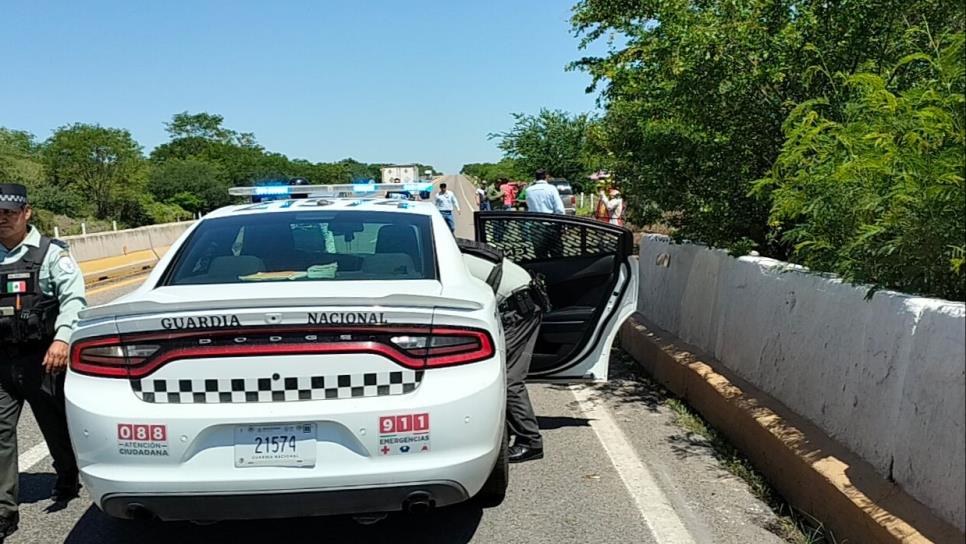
x: 494, y: 490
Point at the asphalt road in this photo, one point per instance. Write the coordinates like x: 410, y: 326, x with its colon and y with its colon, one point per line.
x: 616, y: 469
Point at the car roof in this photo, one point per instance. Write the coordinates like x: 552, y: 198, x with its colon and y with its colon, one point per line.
x: 370, y: 204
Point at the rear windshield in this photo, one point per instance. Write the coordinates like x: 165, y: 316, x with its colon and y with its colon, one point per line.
x: 306, y: 246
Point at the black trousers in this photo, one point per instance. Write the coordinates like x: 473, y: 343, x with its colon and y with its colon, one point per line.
x: 519, y: 411
x: 23, y: 378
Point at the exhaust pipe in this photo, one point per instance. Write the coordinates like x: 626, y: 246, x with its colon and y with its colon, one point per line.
x: 139, y: 512
x: 418, y: 502
x: 370, y: 519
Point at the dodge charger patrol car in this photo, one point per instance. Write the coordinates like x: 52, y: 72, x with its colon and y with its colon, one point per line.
x: 322, y: 355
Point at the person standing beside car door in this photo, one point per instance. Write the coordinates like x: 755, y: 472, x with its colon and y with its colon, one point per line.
x: 543, y: 197
x: 41, y: 293
x: 522, y: 302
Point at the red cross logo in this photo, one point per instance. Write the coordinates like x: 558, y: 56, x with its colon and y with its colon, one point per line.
x: 385, y: 450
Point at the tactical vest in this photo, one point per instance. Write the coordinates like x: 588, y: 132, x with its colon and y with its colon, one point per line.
x: 27, y: 315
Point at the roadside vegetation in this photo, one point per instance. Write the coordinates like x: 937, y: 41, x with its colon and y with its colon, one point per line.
x: 793, y: 525
x: 827, y: 134
x: 97, y: 174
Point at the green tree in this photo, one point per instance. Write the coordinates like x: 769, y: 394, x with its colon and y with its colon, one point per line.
x: 193, y: 184
x: 206, y: 126
x: 100, y: 163
x: 695, y: 95
x: 355, y: 170
x: 552, y: 140
x: 879, y: 195
x: 492, y: 171
x: 20, y: 160
x: 422, y: 171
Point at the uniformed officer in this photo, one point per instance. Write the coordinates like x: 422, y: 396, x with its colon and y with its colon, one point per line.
x: 522, y: 303
x: 41, y: 292
x: 522, y: 300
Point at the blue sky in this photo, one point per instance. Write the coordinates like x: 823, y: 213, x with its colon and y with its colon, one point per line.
x: 379, y: 81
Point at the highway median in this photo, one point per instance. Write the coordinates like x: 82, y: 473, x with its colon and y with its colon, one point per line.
x: 108, y: 257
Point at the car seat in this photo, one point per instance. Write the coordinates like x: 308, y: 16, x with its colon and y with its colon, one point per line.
x: 399, y: 239
x: 230, y: 267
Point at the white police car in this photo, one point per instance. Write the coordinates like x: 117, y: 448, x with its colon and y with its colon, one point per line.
x: 327, y: 356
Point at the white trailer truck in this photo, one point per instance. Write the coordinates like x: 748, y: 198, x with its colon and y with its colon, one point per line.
x: 404, y: 173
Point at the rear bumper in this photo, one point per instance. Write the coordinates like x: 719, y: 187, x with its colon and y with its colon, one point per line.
x: 195, y: 456
x: 216, y: 507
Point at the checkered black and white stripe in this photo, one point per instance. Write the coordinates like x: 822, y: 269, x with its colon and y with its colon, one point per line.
x: 19, y: 199
x: 276, y: 388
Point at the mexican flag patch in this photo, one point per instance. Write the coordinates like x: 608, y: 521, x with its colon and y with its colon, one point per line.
x: 16, y: 287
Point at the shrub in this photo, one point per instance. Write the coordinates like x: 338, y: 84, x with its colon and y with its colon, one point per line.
x: 878, y: 196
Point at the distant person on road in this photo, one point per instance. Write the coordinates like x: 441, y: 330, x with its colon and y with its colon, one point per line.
x: 610, y: 210
x: 521, y: 201
x: 494, y: 197
x: 481, y: 201
x: 41, y: 295
x: 509, y: 191
x: 543, y: 197
x: 447, y: 203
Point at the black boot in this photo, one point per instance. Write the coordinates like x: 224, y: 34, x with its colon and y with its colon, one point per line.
x: 520, y: 453
x: 9, y: 525
x: 66, y: 488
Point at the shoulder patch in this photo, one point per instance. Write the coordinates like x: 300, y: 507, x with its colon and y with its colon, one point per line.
x: 66, y: 263
x: 60, y: 243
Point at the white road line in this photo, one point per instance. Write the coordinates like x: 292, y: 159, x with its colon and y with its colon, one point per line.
x: 32, y: 456
x: 658, y: 512
x: 469, y: 203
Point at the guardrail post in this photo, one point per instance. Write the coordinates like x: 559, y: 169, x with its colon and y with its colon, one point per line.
x: 83, y: 228
x: 114, y: 225
x: 56, y: 232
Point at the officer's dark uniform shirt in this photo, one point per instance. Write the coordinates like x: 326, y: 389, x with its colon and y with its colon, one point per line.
x: 60, y: 277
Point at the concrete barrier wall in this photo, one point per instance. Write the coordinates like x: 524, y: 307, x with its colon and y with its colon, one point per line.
x: 886, y: 377
x: 102, y: 245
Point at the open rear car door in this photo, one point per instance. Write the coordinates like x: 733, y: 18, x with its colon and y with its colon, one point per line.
x: 591, y: 278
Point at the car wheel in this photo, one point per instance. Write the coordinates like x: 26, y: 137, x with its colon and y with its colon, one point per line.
x: 494, y: 490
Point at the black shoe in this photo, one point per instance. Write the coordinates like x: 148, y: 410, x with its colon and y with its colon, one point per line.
x: 519, y: 453
x: 65, y: 490
x: 9, y: 525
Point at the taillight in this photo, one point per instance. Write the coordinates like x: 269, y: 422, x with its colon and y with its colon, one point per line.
x: 416, y: 347
x: 108, y: 357
x: 446, y: 347
x: 573, y: 199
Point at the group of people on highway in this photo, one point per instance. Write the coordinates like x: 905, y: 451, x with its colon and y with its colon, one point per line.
x: 539, y: 197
